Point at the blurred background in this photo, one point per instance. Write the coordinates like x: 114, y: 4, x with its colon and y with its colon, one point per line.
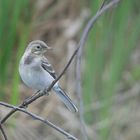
x: 110, y: 67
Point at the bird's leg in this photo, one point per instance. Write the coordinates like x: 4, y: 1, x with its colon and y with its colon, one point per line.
x: 45, y: 92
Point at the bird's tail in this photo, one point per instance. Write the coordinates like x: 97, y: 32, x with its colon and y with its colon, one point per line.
x: 65, y: 99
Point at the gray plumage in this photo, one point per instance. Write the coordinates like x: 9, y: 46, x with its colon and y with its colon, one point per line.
x: 37, y: 73
x: 48, y: 67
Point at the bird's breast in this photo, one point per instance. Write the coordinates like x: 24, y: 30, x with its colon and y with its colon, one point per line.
x: 35, y: 77
x: 29, y: 59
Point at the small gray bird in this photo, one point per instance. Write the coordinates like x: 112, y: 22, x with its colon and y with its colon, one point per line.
x: 37, y: 73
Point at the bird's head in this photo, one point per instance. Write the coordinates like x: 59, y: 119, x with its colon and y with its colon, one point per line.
x: 37, y: 47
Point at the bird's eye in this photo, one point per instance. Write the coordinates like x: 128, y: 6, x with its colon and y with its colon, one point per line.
x: 38, y: 47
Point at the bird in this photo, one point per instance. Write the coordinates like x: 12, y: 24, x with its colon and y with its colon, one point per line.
x: 37, y: 73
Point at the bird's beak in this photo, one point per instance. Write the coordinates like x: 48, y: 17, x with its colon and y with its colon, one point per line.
x: 47, y: 48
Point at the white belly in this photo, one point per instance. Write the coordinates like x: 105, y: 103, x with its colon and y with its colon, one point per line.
x: 37, y: 79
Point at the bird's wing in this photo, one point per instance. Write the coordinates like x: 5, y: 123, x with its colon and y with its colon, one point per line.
x: 48, y: 67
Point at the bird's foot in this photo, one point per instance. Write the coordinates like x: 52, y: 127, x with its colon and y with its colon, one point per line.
x: 45, y: 92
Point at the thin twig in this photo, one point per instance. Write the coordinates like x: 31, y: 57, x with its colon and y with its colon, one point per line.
x: 81, y: 44
x: 102, y: 4
x: 3, y: 132
x: 36, y: 117
x: 90, y: 24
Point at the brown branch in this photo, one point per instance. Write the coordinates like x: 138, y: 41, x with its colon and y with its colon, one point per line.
x: 80, y: 46
x: 3, y: 132
x: 36, y: 117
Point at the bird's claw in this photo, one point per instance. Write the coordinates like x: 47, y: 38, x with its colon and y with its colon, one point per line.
x: 46, y: 93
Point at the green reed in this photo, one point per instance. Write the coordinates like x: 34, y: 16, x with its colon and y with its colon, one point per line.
x: 108, y: 50
x: 14, y: 20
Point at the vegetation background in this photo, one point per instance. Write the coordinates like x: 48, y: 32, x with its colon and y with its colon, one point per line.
x: 110, y: 67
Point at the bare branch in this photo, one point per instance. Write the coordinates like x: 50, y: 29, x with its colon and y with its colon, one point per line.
x: 3, y: 132
x: 36, y: 117
x: 90, y: 24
